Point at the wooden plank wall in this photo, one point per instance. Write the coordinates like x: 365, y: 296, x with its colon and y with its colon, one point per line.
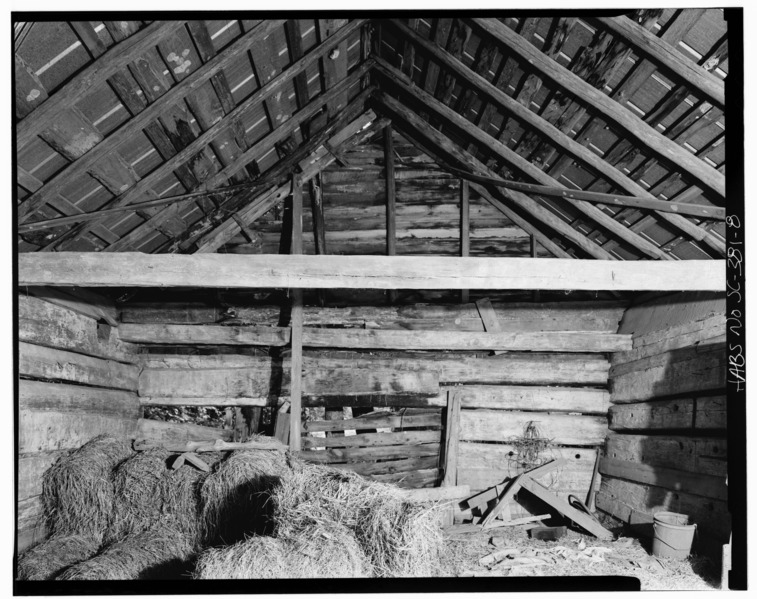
x: 427, y: 211
x: 77, y: 381
x: 667, y: 449
x: 563, y: 391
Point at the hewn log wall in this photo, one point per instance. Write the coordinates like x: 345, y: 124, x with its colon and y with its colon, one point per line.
x: 667, y: 449
x: 77, y: 380
x: 560, y: 383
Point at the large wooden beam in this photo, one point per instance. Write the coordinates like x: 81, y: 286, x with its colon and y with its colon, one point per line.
x: 572, y: 341
x: 555, y: 135
x: 699, y: 82
x: 463, y: 340
x: 266, y: 271
x: 649, y: 138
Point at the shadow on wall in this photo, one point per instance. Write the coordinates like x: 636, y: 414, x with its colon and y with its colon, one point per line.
x: 683, y: 447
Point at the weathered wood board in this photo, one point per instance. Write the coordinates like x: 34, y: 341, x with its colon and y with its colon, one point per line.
x: 687, y: 413
x: 84, y: 301
x: 260, y: 386
x: 504, y: 425
x: 552, y: 341
x: 513, y: 317
x: 670, y: 376
x: 395, y: 421
x: 41, y: 396
x: 57, y: 364
x: 374, y: 439
x: 672, y: 338
x: 586, y: 400
x: 334, y: 455
x: 390, y: 466
x: 177, y: 334
x: 117, y: 269
x: 52, y: 430
x: 171, y: 432
x: 416, y: 479
x: 47, y: 324
x: 31, y: 468
x: 701, y: 455
x: 704, y: 485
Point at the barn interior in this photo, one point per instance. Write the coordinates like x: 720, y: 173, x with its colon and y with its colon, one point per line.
x: 440, y: 253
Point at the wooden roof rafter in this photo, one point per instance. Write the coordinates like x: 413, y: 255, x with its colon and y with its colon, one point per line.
x: 556, y: 137
x: 524, y: 167
x: 493, y: 87
x: 208, y: 70
x: 269, y: 142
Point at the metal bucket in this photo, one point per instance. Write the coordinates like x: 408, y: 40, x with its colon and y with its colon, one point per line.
x: 673, y: 535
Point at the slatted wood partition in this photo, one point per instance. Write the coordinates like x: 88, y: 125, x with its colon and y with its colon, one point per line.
x: 77, y: 380
x: 667, y: 450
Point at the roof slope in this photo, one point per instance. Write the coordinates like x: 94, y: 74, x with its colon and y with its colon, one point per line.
x: 117, y: 121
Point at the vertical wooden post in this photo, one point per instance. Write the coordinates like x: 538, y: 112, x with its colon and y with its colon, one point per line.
x: 464, y: 229
x: 296, y: 319
x: 451, y: 438
x: 534, y: 254
x: 391, y: 222
x: 319, y: 223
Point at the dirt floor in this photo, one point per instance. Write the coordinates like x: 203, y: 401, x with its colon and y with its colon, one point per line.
x: 513, y: 553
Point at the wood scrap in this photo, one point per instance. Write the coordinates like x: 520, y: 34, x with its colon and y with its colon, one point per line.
x: 582, y: 519
x: 205, y: 446
x: 519, y: 521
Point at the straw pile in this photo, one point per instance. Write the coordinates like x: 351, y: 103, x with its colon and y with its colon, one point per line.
x: 235, y: 496
x: 77, y: 490
x: 400, y: 538
x: 48, y: 559
x: 149, y: 494
x: 148, y: 555
x: 328, y: 550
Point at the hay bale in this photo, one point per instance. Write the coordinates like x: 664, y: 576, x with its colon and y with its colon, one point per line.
x: 48, y: 559
x: 154, y: 554
x: 235, y: 496
x: 150, y: 494
x: 328, y: 550
x: 137, y: 505
x: 77, y: 491
x: 400, y: 538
